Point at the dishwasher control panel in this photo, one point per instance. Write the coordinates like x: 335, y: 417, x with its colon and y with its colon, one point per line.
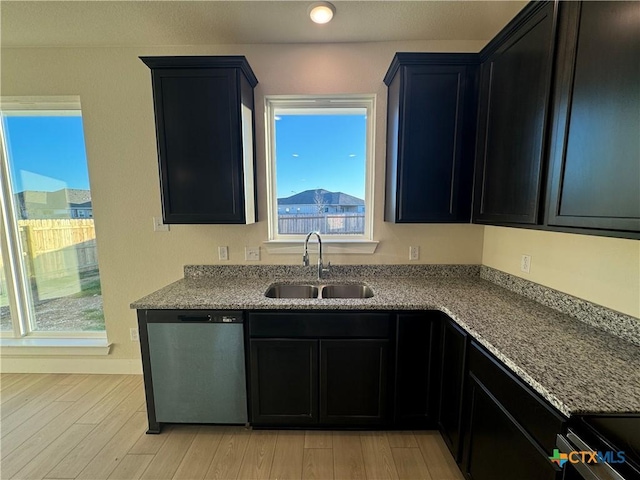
x: 209, y: 317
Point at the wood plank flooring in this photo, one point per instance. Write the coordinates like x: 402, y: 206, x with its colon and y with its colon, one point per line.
x: 92, y: 427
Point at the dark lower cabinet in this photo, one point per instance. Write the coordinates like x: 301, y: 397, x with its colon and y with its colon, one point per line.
x: 454, y: 352
x: 353, y: 382
x: 510, y: 432
x: 497, y: 447
x: 328, y: 373
x: 416, y: 370
x: 284, y: 381
x: 418, y: 365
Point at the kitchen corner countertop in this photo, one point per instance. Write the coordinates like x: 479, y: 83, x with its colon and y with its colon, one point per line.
x: 576, y: 367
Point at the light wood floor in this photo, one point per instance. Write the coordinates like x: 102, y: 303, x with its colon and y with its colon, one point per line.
x: 93, y: 427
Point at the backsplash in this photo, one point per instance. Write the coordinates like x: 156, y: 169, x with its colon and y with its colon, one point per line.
x: 616, y: 323
x: 337, y: 271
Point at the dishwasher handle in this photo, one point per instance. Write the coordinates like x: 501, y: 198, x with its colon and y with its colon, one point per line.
x: 195, y: 318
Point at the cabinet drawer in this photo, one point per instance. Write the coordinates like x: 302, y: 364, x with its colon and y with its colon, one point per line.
x: 540, y: 420
x: 314, y: 325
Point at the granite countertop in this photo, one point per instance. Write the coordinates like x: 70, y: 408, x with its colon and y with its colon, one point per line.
x: 578, y: 368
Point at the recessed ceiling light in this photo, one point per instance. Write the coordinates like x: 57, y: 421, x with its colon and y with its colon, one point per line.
x: 321, y: 12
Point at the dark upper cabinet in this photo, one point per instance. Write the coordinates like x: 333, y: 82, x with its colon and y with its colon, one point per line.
x: 595, y: 150
x: 430, y: 135
x: 514, y: 97
x: 204, y: 125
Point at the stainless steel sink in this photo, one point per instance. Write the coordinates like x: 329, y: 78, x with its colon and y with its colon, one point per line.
x: 350, y: 290
x: 292, y: 291
x: 346, y: 291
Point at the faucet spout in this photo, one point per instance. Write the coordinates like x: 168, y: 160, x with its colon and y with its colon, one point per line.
x: 305, y: 256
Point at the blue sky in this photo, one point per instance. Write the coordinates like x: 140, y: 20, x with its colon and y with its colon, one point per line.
x: 320, y: 151
x: 312, y: 151
x: 46, y: 152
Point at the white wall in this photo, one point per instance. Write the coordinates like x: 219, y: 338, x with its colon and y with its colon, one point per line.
x: 115, y: 91
x: 602, y: 270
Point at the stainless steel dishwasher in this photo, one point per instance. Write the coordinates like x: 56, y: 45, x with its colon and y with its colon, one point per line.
x: 194, y: 367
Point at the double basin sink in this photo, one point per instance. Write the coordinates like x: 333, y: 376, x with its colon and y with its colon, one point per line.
x: 351, y: 290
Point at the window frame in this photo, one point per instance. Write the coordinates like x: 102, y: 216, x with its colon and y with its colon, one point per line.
x: 16, y: 278
x: 277, y: 243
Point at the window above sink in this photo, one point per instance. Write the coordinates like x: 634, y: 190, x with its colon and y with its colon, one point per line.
x: 320, y: 171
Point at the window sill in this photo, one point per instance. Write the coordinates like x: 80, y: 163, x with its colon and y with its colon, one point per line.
x: 295, y: 247
x: 14, y: 347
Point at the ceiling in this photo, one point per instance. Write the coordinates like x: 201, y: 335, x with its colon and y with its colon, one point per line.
x: 144, y: 23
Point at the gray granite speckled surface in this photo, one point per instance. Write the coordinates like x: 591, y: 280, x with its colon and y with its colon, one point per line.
x: 621, y: 325
x: 576, y: 367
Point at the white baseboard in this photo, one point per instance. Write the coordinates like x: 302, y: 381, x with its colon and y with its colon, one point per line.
x: 70, y: 365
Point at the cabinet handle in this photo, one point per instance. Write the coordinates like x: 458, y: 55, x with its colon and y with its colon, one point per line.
x: 191, y: 318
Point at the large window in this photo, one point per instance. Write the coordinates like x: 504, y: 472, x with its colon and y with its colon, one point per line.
x: 320, y: 167
x: 49, y: 277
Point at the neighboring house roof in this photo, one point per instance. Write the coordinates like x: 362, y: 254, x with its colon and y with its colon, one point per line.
x: 320, y: 196
x: 76, y: 196
x: 60, y: 199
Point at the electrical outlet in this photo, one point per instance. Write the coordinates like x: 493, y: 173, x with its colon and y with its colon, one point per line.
x: 223, y: 253
x: 159, y: 225
x: 525, y: 263
x: 252, y: 254
x: 414, y: 253
x: 133, y: 333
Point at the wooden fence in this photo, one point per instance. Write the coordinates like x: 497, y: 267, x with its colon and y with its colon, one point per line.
x: 341, y: 224
x: 58, y: 247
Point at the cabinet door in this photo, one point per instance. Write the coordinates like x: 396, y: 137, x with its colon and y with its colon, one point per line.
x: 454, y: 349
x: 595, y: 174
x: 541, y: 421
x: 284, y: 380
x: 417, y: 369
x: 354, y: 382
x: 431, y: 176
x: 498, y: 448
x: 204, y: 125
x: 514, y: 94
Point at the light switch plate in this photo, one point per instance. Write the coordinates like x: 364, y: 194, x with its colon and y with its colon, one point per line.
x: 252, y: 254
x: 159, y: 225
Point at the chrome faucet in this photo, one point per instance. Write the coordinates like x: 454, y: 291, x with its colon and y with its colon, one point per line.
x: 305, y: 257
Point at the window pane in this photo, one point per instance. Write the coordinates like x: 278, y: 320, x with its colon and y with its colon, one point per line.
x: 52, y: 201
x: 5, y: 314
x: 320, y: 172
